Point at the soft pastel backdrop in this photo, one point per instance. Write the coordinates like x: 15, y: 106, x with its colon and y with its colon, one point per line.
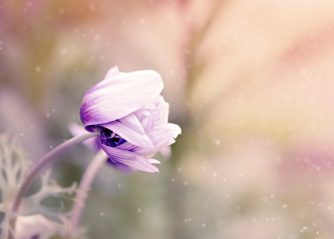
x: 250, y: 82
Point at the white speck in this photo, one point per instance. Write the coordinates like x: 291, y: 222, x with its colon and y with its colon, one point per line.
x: 179, y: 170
x: 101, y: 214
x: 330, y: 208
x: 216, y: 142
x: 139, y: 210
x: 21, y: 134
x: 61, y: 11
x: 203, y: 225
x: 173, y: 180
x: 214, y: 174
x: 303, y: 229
x: 187, y: 220
x: 96, y: 37
x: 38, y: 68
x: 119, y: 185
x: 51, y: 147
x: 185, y: 183
x: 64, y: 51
x: 29, y: 4
x: 53, y: 110
x: 101, y: 57
x: 47, y: 115
x: 284, y: 206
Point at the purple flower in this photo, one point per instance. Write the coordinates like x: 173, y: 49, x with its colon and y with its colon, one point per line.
x: 131, y: 117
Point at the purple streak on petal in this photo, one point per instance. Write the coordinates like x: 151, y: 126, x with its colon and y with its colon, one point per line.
x: 132, y: 160
x: 132, y: 122
x: 120, y: 95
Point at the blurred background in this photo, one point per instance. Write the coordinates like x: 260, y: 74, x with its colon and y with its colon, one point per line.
x: 250, y: 82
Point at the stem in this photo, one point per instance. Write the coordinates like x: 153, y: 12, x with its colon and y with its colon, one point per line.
x: 49, y: 157
x: 85, y: 186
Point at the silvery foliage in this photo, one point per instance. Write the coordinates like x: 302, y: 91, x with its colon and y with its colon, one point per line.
x: 47, y: 199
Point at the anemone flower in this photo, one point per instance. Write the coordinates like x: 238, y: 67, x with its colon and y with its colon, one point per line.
x: 130, y: 117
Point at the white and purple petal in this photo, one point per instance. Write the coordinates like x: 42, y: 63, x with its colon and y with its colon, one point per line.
x: 121, y: 95
x: 128, y: 160
x: 133, y: 135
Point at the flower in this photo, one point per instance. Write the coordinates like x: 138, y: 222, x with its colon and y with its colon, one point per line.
x: 131, y: 117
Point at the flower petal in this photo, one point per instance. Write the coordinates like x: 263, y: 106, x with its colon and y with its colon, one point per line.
x: 165, y: 135
x: 121, y: 94
x: 133, y: 161
x: 130, y: 129
x: 161, y: 138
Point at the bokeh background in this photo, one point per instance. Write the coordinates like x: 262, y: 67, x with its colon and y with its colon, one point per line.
x: 250, y: 82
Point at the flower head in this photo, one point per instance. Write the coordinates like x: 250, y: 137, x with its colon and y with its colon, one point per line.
x: 131, y: 117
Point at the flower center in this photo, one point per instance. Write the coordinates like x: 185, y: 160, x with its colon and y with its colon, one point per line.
x: 110, y: 138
